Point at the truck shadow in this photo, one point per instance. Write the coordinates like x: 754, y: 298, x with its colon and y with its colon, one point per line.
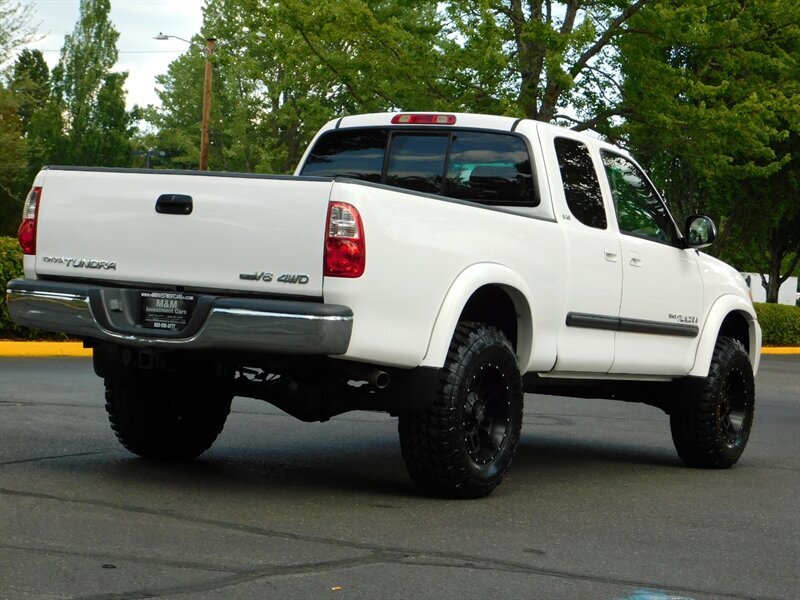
x: 372, y: 469
x: 545, y: 454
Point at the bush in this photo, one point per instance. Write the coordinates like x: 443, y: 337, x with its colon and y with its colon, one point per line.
x: 10, y: 268
x: 780, y: 324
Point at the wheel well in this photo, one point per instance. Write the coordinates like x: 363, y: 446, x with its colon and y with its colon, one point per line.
x: 735, y: 326
x: 492, y: 305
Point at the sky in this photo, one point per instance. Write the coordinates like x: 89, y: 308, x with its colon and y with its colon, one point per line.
x: 137, y: 21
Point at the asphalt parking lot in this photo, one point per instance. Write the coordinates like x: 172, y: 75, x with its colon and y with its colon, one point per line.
x: 597, y: 505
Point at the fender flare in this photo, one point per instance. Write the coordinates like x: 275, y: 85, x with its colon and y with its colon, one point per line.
x: 722, y: 307
x: 465, y: 285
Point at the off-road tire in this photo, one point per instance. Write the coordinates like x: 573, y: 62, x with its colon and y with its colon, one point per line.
x: 156, y: 417
x: 462, y: 446
x: 711, y: 424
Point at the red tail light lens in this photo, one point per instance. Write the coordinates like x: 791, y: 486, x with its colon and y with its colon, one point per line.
x: 345, y: 251
x: 30, y: 215
x: 423, y: 119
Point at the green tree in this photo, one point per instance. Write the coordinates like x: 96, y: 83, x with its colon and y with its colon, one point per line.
x: 15, y: 30
x: 712, y: 102
x: 543, y: 59
x: 766, y: 221
x: 38, y: 111
x: 546, y: 59
x: 15, y: 27
x: 13, y: 161
x: 90, y: 96
x: 30, y: 82
x: 317, y: 61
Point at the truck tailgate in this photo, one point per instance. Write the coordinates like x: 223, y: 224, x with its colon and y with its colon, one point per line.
x: 244, y: 233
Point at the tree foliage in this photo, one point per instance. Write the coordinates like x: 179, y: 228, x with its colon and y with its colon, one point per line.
x: 316, y: 61
x: 12, y: 161
x: 712, y: 99
x: 15, y: 28
x: 319, y: 60
x: 39, y: 113
x: 543, y: 59
x: 89, y: 95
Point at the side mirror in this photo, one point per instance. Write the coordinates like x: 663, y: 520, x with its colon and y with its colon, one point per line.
x: 700, y: 231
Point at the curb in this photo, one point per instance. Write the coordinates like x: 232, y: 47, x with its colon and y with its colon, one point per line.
x: 42, y: 349
x: 781, y: 350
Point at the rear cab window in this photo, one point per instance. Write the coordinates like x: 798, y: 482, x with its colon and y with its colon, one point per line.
x: 416, y: 162
x: 349, y: 153
x: 480, y: 166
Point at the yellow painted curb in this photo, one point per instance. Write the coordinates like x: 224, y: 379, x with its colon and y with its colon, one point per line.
x: 781, y: 350
x: 23, y: 349
x: 33, y: 349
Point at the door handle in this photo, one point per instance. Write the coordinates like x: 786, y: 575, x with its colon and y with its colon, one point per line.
x: 636, y: 259
x: 611, y: 255
x: 174, y: 204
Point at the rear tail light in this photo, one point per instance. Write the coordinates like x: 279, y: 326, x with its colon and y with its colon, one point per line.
x: 30, y: 216
x: 345, y: 251
x: 423, y: 119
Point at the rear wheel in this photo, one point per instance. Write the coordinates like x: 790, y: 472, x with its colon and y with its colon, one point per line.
x: 155, y: 416
x: 711, y: 426
x: 463, y: 445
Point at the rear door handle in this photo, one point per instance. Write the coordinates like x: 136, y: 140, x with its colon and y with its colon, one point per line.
x: 174, y: 204
x: 636, y: 259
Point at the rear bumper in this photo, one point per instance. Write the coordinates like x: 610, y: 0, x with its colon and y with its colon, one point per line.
x: 219, y: 322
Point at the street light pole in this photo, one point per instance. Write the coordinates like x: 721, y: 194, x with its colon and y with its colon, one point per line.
x: 206, y: 117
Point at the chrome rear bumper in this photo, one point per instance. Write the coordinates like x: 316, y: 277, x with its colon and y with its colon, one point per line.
x: 224, y: 323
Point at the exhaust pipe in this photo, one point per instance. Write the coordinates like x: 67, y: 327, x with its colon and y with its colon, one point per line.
x: 375, y: 377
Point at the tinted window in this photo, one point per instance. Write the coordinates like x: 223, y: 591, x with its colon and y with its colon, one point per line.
x: 581, y: 186
x: 639, y: 210
x: 356, y: 153
x: 416, y: 162
x: 489, y: 167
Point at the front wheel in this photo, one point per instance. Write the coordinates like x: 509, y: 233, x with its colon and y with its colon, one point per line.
x: 463, y: 445
x: 711, y: 426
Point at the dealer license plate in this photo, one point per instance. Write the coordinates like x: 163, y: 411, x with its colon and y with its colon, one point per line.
x: 165, y: 310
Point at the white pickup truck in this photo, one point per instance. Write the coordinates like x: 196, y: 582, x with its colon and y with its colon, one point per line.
x: 434, y: 266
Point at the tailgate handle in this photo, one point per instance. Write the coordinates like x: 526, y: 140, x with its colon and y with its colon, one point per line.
x: 174, y: 204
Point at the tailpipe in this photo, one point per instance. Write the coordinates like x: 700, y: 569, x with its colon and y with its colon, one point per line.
x: 377, y: 378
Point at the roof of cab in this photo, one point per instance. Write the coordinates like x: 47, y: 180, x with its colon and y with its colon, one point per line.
x: 462, y: 120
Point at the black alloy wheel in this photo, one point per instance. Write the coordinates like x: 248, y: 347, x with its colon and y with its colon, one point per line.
x: 464, y: 444
x: 711, y: 423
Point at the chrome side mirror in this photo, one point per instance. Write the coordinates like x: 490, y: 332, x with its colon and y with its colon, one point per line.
x: 700, y: 231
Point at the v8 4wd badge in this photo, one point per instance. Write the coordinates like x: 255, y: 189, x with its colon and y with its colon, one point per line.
x: 290, y: 278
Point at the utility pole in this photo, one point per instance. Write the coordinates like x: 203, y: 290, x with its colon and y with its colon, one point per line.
x: 210, y: 45
x: 205, y: 119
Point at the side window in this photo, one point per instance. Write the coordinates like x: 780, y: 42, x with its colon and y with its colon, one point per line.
x: 581, y: 186
x: 416, y: 162
x: 640, y: 211
x: 491, y: 168
x: 348, y: 153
